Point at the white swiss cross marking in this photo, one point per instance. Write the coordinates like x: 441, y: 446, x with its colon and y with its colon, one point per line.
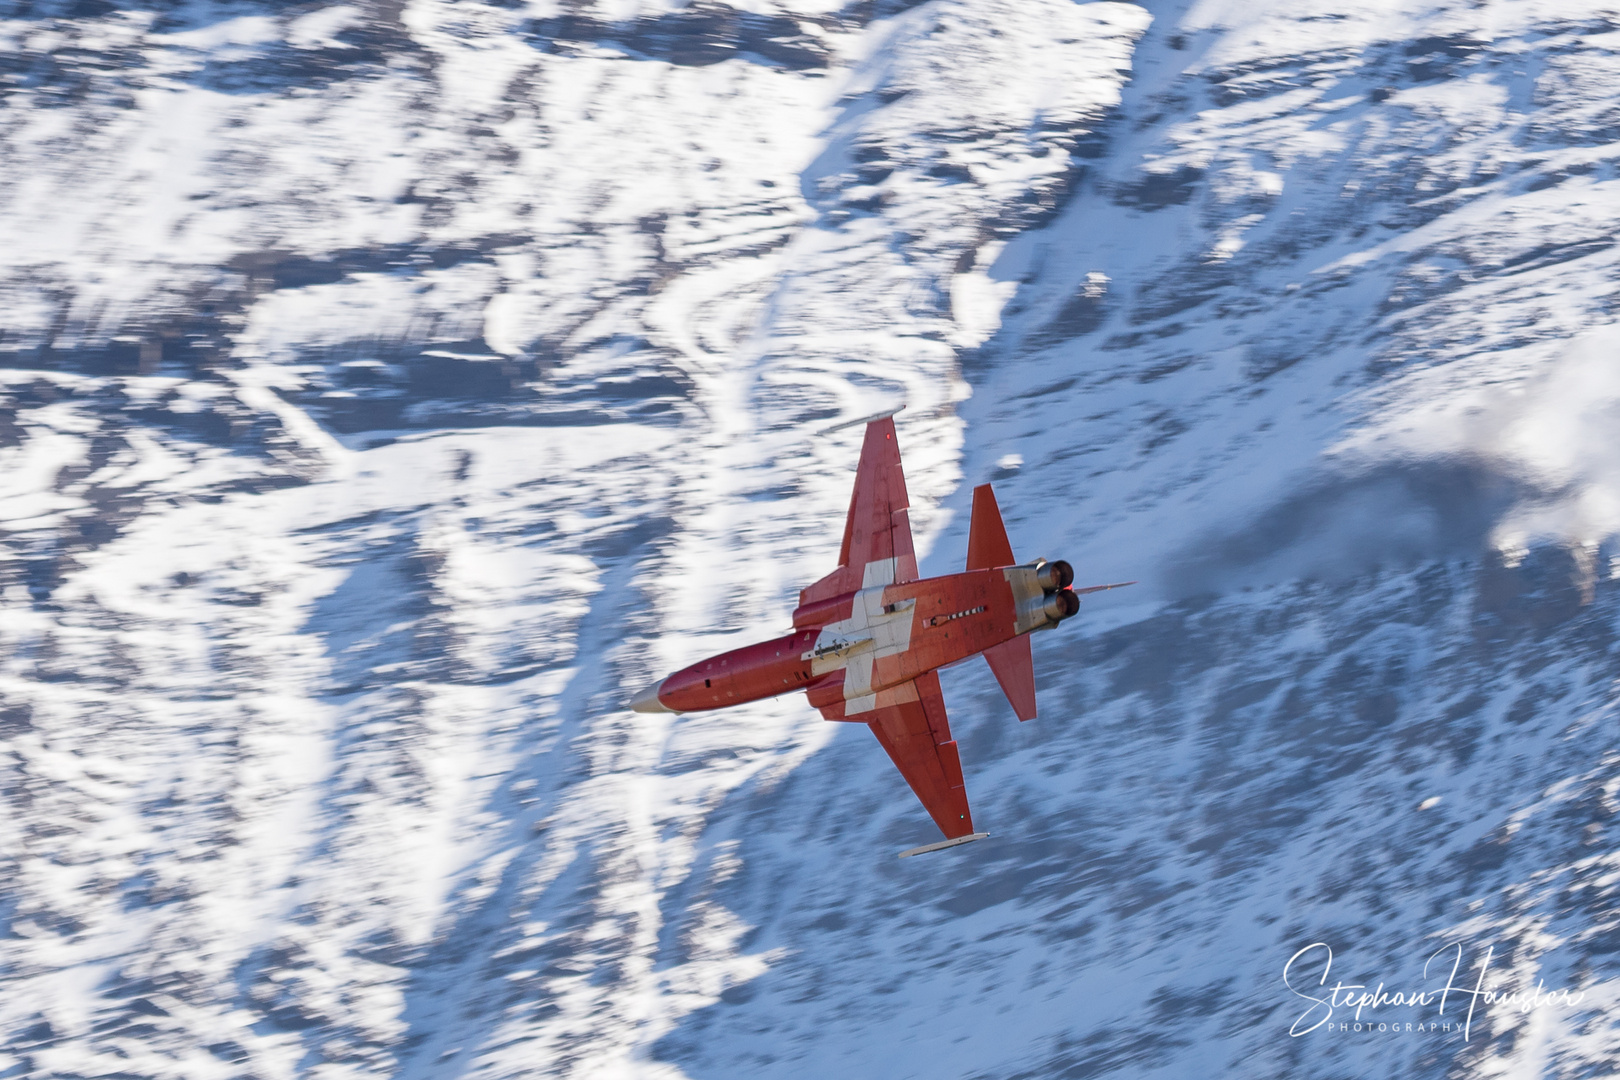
x: 872, y: 631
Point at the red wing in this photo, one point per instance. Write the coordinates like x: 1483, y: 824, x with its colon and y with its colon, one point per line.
x: 878, y: 528
x: 917, y: 736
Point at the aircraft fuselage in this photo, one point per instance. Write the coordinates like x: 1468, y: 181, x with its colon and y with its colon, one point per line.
x: 850, y: 651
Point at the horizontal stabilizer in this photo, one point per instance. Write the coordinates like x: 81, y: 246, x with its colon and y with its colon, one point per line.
x: 943, y: 844
x: 1015, y: 671
x: 988, y: 546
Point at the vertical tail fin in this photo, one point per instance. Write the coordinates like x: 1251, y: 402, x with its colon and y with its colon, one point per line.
x: 987, y: 536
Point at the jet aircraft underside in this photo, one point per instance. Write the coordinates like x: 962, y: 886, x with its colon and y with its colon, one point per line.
x: 870, y: 637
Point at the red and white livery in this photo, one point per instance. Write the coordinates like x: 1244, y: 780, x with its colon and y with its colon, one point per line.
x: 869, y: 638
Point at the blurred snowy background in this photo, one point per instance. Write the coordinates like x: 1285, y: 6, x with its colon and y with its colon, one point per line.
x: 389, y: 389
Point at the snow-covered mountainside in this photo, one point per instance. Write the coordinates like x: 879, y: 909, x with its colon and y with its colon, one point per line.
x: 389, y: 390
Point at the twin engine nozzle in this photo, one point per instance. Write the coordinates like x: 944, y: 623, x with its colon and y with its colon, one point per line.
x: 1053, y: 576
x: 1054, y: 579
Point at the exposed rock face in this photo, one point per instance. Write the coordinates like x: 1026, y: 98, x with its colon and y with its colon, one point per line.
x: 388, y: 390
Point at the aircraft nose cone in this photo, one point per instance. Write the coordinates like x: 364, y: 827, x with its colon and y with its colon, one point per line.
x: 647, y: 701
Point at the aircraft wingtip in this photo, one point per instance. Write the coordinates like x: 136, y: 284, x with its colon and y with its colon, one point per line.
x: 840, y: 426
x: 943, y: 844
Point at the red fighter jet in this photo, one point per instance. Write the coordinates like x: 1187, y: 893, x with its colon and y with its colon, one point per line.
x: 869, y: 638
